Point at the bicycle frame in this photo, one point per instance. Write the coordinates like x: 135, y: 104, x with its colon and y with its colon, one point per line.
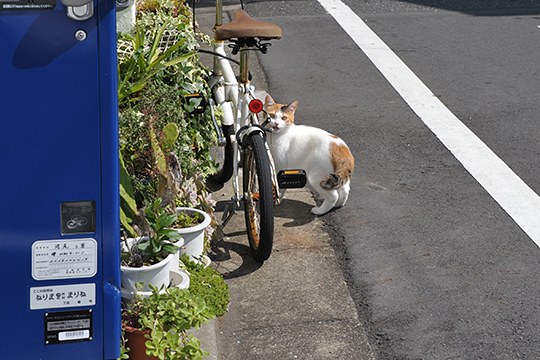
x: 234, y: 97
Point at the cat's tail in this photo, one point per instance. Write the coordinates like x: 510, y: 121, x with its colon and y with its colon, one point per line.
x: 343, y: 163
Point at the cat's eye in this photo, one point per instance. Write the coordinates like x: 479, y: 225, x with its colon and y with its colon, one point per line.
x: 284, y: 118
x: 272, y: 116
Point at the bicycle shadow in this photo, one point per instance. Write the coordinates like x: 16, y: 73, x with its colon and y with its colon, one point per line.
x: 213, y: 186
x: 231, y: 253
x: 232, y: 258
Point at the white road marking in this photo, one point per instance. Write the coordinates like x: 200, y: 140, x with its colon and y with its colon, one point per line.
x: 512, y: 194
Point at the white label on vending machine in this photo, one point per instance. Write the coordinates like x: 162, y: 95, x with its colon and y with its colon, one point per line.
x: 64, y: 259
x: 62, y: 296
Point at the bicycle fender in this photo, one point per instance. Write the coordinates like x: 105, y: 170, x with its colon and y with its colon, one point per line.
x: 248, y: 130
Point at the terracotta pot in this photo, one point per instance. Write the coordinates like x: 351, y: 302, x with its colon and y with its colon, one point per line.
x: 136, y: 343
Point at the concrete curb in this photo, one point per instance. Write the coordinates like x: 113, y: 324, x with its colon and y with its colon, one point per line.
x: 297, y: 304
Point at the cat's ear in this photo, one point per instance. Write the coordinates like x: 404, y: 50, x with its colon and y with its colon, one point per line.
x: 268, y: 100
x: 292, y: 106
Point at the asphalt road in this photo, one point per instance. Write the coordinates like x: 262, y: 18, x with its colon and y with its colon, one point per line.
x: 437, y: 269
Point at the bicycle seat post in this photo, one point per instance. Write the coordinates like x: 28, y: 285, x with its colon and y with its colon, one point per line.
x: 244, y: 65
x: 218, y: 23
x: 219, y: 13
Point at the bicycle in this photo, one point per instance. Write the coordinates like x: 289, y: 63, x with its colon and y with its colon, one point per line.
x: 240, y: 135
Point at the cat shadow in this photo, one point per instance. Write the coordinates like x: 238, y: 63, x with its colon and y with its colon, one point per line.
x: 299, y: 212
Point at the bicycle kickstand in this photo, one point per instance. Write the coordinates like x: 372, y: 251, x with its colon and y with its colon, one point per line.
x: 229, y: 211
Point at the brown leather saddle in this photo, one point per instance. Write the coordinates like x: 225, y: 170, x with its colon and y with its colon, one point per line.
x: 244, y: 26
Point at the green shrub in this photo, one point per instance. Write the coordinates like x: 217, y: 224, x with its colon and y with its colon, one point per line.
x: 158, y: 67
x: 168, y: 315
x: 208, y: 284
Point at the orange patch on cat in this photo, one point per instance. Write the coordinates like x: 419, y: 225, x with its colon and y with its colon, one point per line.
x: 342, y: 160
x: 287, y: 111
x: 272, y: 109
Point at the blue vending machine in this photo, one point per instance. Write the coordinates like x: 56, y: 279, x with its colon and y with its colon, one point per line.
x: 59, y: 221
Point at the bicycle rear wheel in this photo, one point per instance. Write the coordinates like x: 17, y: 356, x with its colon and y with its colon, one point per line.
x: 223, y: 156
x: 258, y: 197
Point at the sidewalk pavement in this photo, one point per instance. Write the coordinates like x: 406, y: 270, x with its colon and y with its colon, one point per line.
x: 294, y: 306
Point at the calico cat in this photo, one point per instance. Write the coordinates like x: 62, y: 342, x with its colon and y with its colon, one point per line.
x: 327, y: 160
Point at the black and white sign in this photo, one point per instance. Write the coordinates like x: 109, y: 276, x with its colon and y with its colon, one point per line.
x: 68, y: 326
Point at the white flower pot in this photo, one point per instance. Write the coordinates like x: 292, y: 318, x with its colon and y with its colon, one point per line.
x: 157, y: 275
x: 175, y: 262
x: 206, y: 261
x: 193, y: 236
x: 179, y: 278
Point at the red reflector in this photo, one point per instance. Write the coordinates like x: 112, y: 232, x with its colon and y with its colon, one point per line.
x: 255, y: 106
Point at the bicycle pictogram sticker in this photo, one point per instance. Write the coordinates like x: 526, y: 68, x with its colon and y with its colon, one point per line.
x: 76, y: 221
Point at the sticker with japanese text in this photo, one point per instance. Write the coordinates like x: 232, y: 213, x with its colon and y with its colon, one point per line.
x: 64, y: 259
x: 62, y: 296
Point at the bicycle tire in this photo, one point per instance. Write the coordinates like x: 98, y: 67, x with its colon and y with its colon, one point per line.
x: 224, y: 159
x: 258, y: 197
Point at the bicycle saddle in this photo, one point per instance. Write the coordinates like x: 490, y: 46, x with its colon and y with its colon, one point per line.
x: 244, y: 26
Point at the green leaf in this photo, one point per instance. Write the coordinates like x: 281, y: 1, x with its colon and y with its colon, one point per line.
x: 178, y: 59
x: 171, y: 234
x: 153, y: 53
x: 170, y: 249
x: 159, y: 157
x: 143, y: 245
x: 127, y: 196
x: 156, y: 247
x: 126, y: 224
x: 168, y: 220
x: 170, y: 135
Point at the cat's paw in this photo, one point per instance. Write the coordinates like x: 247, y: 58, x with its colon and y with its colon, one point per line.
x: 318, y: 211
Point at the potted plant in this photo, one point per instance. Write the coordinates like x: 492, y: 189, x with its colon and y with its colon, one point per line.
x: 155, y: 327
x: 147, y: 259
x: 191, y: 224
